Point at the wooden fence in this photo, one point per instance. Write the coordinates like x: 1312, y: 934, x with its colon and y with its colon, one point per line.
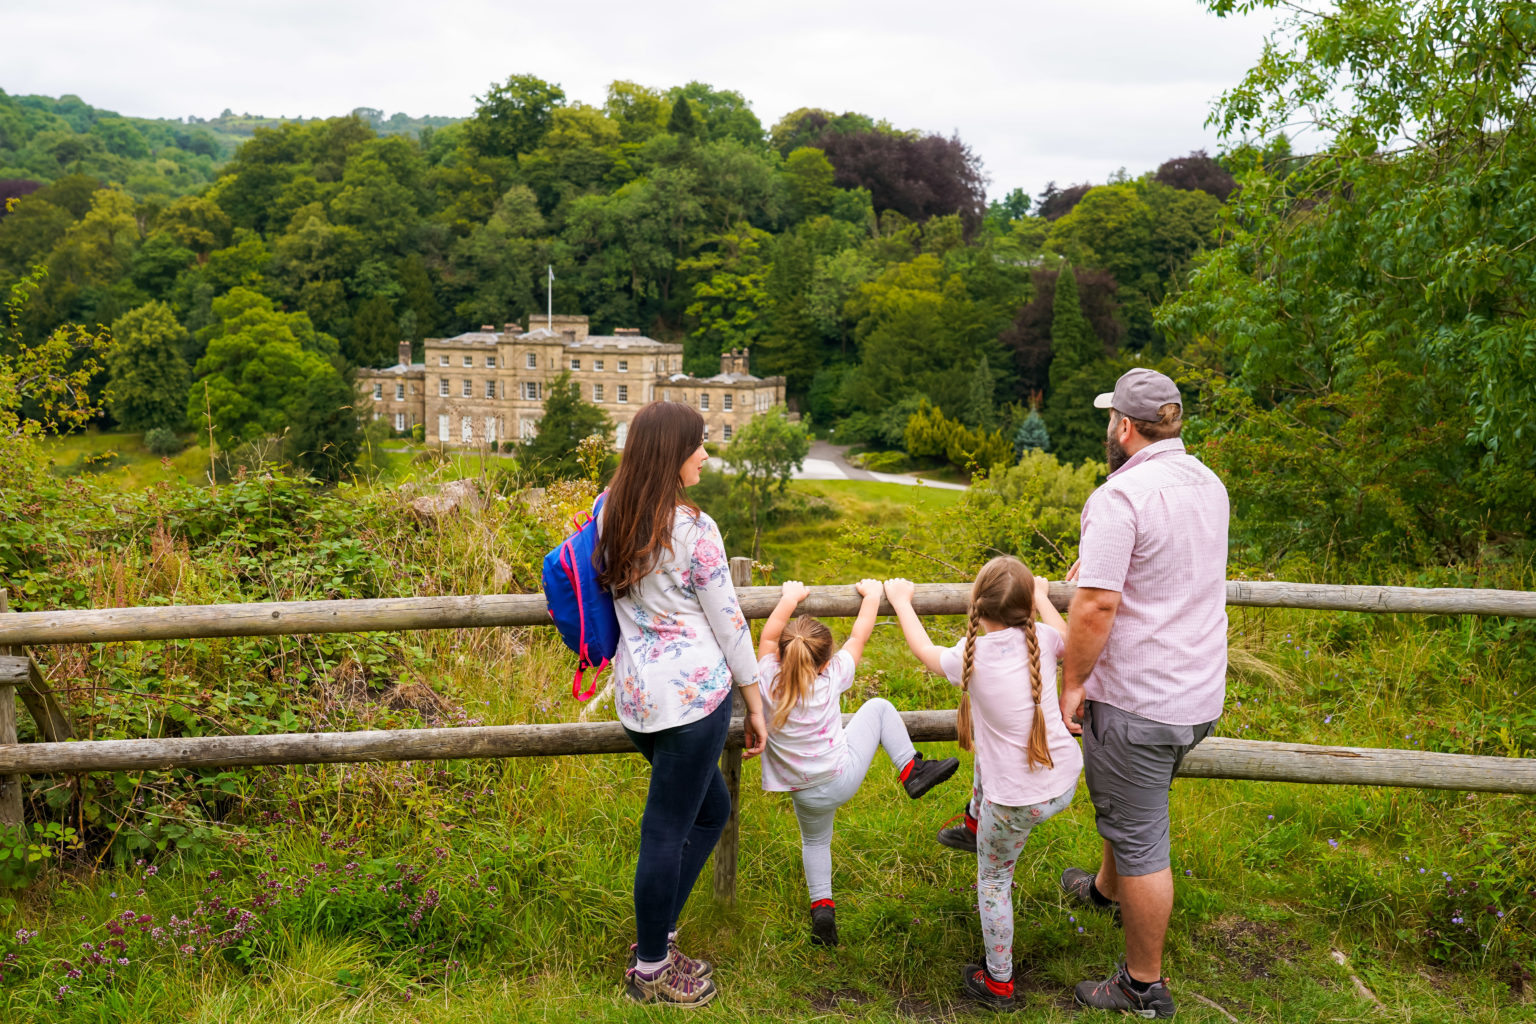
x: 1216, y: 758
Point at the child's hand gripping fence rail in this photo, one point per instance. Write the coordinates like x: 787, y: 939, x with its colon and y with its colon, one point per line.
x: 1216, y: 758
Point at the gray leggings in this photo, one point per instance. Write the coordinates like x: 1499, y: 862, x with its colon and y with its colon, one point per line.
x: 876, y: 724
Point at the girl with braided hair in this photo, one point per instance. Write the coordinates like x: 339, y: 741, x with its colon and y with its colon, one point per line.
x: 1027, y: 763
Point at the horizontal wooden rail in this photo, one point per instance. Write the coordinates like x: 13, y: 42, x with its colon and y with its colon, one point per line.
x: 1217, y: 758
x: 180, y: 622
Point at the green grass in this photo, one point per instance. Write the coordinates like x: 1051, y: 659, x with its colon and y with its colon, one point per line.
x: 1272, y: 878
x: 1262, y: 902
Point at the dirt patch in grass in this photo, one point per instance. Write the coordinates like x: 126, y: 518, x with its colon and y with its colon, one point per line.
x: 1253, y: 947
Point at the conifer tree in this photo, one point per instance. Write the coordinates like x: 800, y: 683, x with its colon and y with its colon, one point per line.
x: 1073, y: 343
x: 1031, y: 435
x: 980, y: 412
x: 682, y: 123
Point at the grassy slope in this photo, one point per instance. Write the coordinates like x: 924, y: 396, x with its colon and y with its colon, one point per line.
x: 1264, y: 905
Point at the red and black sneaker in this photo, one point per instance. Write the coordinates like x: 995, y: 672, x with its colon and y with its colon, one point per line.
x: 920, y: 775
x: 976, y: 982
x: 962, y: 836
x: 824, y: 923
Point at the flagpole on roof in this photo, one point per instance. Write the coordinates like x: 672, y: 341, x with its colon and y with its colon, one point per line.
x: 550, y: 313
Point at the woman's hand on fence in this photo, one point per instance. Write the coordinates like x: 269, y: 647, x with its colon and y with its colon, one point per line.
x: 899, y: 590
x: 754, y: 735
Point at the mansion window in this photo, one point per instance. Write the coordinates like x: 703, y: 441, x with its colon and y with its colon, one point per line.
x: 399, y: 422
x: 442, y: 360
x: 726, y: 432
x: 575, y: 364
x: 706, y: 431
x: 531, y: 390
x: 442, y: 387
x: 490, y: 389
x: 466, y: 430
x: 490, y: 362
x: 623, y: 365
x: 533, y: 360
x: 704, y: 402
x: 623, y: 390
x: 597, y: 392
x: 490, y: 429
x: 399, y: 392
x: 378, y: 390
x: 620, y: 435
x: 597, y: 364
x: 469, y: 388
x: 469, y: 360
x: 442, y: 427
x: 728, y: 402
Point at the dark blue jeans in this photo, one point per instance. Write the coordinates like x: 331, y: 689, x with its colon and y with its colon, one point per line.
x: 686, y: 809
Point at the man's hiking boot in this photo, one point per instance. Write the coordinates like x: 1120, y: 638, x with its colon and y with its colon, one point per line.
x: 923, y: 775
x: 961, y: 836
x: 1078, y: 885
x: 974, y: 984
x: 699, y: 969
x: 668, y: 986
x: 824, y: 924
x: 1116, y: 993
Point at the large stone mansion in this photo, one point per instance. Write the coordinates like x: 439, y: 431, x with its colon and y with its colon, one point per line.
x: 488, y: 386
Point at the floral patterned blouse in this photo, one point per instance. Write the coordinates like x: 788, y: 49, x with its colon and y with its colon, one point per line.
x: 683, y: 638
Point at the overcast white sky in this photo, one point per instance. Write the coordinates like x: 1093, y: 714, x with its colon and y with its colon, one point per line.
x: 1041, y: 91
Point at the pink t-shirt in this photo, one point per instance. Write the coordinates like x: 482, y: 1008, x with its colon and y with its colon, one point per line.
x: 1003, y: 712
x: 809, y: 748
x: 1156, y: 531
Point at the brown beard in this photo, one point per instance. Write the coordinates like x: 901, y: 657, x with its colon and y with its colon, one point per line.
x: 1115, y: 453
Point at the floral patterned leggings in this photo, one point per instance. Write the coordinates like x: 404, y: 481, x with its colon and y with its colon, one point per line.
x: 1000, y: 834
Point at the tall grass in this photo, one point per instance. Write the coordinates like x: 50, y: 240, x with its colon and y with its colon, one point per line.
x: 531, y: 860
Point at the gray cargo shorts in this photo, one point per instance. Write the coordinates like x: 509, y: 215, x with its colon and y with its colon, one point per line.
x: 1129, y: 763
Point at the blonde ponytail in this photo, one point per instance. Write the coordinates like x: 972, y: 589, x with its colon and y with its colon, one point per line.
x: 1039, y: 746
x: 805, y: 647
x: 963, y: 716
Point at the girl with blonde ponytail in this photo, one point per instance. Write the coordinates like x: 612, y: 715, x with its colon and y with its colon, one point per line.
x: 1027, y: 763
x: 811, y: 754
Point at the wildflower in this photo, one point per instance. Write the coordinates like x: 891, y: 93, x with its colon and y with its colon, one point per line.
x: 1333, y: 843
x: 1271, y: 817
x: 1328, y: 719
x: 1188, y: 873
x: 1079, y: 929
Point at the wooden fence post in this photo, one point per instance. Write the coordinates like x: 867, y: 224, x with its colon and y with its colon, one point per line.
x: 10, y: 785
x: 727, y: 851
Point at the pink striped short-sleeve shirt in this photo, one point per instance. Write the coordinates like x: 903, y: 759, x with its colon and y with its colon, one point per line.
x: 1156, y: 531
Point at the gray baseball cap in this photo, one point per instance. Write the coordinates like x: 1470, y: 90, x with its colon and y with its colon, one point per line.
x: 1139, y: 394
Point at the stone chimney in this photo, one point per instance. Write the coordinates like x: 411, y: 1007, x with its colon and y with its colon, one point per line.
x: 488, y: 328
x: 405, y: 353
x: 511, y: 328
x: 734, y: 362
x: 627, y: 330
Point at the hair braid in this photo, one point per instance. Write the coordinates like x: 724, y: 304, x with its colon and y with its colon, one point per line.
x: 1039, y: 746
x: 963, y: 718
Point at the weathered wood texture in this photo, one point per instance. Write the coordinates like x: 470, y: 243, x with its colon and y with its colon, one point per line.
x: 727, y: 850
x: 13, y: 670
x: 1218, y: 758
x: 300, y: 617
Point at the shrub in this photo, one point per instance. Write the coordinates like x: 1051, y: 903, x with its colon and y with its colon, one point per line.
x: 161, y: 441
x: 419, y: 432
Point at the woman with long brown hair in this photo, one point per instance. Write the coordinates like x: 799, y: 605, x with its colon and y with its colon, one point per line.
x: 683, y: 642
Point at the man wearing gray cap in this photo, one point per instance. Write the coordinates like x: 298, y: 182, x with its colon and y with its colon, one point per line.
x: 1144, y: 673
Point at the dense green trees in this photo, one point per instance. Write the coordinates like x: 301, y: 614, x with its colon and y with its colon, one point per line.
x: 567, y: 419
x: 149, y: 375
x: 860, y: 262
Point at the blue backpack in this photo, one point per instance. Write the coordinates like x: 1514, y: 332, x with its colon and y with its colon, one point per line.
x: 581, y: 607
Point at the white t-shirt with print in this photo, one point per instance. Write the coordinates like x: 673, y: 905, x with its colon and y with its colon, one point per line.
x: 809, y: 748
